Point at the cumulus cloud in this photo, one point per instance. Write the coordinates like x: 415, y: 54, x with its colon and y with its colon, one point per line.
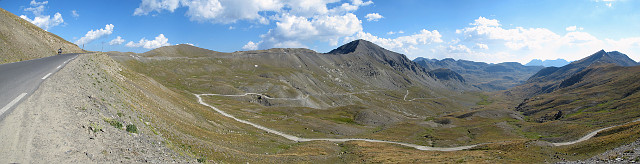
x: 482, y: 46
x: 373, y: 17
x: 43, y: 21
x: 516, y: 38
x: 159, y: 41
x: 403, y: 43
x: 250, y: 46
x: 117, y: 41
x: 217, y: 11
x: 297, y: 21
x: 524, y: 44
x: 95, y: 34
x: 292, y: 31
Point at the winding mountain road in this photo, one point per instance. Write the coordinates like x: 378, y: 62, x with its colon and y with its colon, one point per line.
x: 419, y: 147
x: 20, y: 79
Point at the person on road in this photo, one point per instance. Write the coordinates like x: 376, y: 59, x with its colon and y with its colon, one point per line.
x: 59, y: 51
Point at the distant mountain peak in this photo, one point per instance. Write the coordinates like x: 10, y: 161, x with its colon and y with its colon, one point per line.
x: 355, y: 46
x: 548, y: 63
x: 602, y: 56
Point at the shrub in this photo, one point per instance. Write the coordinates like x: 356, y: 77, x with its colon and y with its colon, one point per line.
x: 201, y: 160
x: 114, y: 123
x: 95, y: 127
x: 131, y: 128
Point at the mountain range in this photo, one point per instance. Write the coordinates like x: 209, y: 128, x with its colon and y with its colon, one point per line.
x: 507, y: 112
x: 482, y: 75
x: 547, y: 63
x: 550, y: 79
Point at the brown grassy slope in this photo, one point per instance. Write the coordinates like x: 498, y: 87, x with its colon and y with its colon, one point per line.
x: 205, y: 133
x: 20, y: 40
x: 599, y: 96
x: 181, y: 50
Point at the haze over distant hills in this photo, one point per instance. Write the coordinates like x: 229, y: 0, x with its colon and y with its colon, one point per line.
x: 487, y: 77
x: 548, y: 63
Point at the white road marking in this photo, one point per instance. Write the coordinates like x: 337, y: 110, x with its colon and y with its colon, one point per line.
x: 59, y: 67
x: 6, y: 107
x: 45, y: 76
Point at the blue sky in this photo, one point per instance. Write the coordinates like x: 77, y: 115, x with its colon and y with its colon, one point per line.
x: 488, y: 31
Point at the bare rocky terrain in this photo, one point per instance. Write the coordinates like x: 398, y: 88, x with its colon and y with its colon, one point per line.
x: 83, y: 114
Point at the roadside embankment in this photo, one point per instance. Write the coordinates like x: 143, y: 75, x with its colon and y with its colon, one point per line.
x: 83, y: 114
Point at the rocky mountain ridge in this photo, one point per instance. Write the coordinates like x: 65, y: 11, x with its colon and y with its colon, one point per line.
x: 487, y: 77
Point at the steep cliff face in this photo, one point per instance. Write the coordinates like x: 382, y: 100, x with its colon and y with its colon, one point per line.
x: 20, y: 40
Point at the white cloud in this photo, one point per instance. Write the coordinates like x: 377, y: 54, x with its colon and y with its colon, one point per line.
x: 217, y: 11
x: 361, y: 3
x: 393, y: 32
x: 373, y: 17
x: 524, y: 44
x: 482, y: 46
x: 516, y: 38
x: 573, y: 28
x: 36, y: 7
x: 95, y: 34
x: 403, y: 44
x: 292, y: 30
x: 159, y: 41
x: 458, y: 49
x: 117, y: 41
x: 250, y: 46
x: 297, y: 21
x: 75, y: 14
x: 43, y: 21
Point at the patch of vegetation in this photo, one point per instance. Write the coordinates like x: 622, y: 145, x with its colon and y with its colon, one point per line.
x: 484, y: 100
x: 95, y: 127
x: 120, y: 114
x: 201, y: 160
x: 115, y: 123
x: 131, y: 128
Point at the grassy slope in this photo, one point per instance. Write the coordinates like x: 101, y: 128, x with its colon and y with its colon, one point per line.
x: 605, y: 96
x: 21, y: 40
x: 204, y: 133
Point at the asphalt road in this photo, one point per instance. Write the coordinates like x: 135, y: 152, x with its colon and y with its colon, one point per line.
x: 20, y: 79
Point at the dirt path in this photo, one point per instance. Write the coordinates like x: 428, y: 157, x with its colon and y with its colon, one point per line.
x: 299, y: 139
x: 419, y: 147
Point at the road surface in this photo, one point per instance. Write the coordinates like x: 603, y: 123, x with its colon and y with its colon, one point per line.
x: 20, y: 79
